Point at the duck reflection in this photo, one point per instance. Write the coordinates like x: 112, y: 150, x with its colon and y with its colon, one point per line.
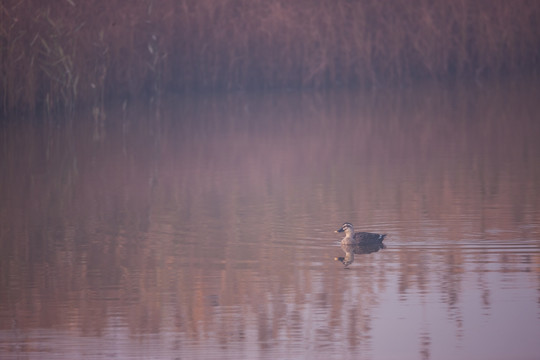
x: 359, y: 249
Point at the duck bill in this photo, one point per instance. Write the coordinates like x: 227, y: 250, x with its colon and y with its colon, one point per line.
x: 339, y: 230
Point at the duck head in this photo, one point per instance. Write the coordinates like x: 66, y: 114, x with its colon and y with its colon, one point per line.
x: 347, y: 228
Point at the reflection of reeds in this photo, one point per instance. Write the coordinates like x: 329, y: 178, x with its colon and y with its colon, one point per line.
x: 64, y: 53
x: 119, y: 219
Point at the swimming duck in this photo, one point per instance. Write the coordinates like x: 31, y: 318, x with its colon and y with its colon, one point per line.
x: 359, y: 238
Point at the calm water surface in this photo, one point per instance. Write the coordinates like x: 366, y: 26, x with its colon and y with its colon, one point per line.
x: 204, y: 229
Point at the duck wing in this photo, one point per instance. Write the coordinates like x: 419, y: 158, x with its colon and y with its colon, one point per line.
x: 368, y: 238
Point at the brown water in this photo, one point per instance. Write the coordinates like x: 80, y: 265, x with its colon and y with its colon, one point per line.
x: 205, y: 229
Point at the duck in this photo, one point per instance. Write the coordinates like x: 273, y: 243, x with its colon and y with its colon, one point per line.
x: 359, y: 238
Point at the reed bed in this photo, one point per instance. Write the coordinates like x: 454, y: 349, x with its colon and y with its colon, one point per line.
x: 56, y: 55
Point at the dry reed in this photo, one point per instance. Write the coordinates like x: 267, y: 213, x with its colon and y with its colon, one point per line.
x: 59, y: 54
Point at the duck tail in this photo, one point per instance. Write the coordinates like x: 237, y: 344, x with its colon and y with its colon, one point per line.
x: 381, y: 237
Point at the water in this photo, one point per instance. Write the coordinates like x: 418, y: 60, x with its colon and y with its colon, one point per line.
x: 204, y: 228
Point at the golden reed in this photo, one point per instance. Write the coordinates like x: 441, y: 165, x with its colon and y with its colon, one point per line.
x: 56, y: 55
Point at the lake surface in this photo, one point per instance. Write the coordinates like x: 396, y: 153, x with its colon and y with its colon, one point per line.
x: 203, y: 228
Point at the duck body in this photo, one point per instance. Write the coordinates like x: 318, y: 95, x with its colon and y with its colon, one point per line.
x: 359, y: 238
